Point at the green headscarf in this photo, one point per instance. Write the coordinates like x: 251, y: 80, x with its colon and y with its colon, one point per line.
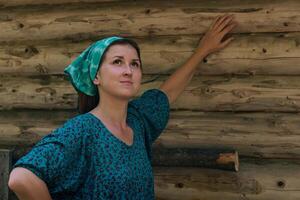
x: 82, y: 71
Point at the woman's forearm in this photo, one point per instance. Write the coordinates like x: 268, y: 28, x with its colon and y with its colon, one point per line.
x: 27, y: 186
x: 178, y: 81
x: 211, y: 42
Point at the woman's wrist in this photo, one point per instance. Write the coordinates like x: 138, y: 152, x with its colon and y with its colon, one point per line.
x: 201, y: 53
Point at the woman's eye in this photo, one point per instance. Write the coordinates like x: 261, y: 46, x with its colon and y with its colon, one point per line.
x: 117, y: 62
x: 135, y: 64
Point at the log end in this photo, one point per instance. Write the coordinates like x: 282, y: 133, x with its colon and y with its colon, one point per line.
x: 229, y: 159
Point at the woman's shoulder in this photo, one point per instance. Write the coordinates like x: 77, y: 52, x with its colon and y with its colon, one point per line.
x: 79, y: 121
x: 75, y: 124
x: 72, y: 129
x: 149, y: 97
x: 149, y: 101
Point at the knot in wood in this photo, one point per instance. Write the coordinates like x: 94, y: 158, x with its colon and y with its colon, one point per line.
x: 41, y: 69
x: 207, y: 90
x: 27, y: 52
x: 281, y: 183
x: 179, y: 185
x: 240, y: 93
x: 48, y: 90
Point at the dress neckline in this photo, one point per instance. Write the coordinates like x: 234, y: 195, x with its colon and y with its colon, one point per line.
x: 114, y: 136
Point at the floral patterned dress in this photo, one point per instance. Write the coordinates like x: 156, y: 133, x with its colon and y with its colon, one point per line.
x: 82, y: 159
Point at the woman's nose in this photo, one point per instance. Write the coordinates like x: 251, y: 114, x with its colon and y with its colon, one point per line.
x: 128, y: 69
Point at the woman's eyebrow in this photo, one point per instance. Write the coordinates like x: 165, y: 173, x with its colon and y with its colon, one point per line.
x: 136, y: 60
x: 123, y: 58
x: 118, y: 56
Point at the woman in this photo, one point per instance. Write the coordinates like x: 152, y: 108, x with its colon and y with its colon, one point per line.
x: 105, y: 152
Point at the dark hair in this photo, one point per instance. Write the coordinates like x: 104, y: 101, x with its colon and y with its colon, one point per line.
x: 85, y: 102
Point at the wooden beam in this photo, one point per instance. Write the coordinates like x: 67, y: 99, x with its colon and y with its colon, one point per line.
x: 267, y: 54
x: 256, y: 180
x: 187, y: 157
x: 83, y: 21
x: 14, y: 3
x: 259, y: 135
x: 204, y: 93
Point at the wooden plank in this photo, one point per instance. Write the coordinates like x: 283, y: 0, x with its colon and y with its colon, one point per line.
x: 267, y: 135
x: 5, y: 166
x: 256, y: 180
x: 13, y: 3
x: 259, y: 135
x: 204, y: 93
x: 190, y: 194
x: 214, y: 158
x: 63, y: 95
x: 269, y: 54
x: 24, y: 128
x: 83, y: 21
x: 244, y: 5
x: 257, y: 93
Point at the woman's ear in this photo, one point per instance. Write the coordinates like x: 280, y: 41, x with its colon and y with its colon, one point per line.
x: 97, y: 79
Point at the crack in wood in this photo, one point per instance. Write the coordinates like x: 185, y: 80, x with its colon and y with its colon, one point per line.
x: 222, y: 10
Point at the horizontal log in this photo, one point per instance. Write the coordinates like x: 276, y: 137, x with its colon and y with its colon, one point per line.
x: 259, y: 135
x: 40, y: 92
x: 255, y: 181
x: 270, y: 54
x: 14, y: 3
x: 83, y: 21
x: 207, y: 93
x: 203, y: 195
x: 267, y: 135
x: 259, y: 93
x: 226, y: 159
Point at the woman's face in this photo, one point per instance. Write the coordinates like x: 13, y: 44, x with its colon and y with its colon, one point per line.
x: 120, y: 73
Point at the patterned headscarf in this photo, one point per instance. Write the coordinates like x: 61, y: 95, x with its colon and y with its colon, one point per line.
x: 82, y: 71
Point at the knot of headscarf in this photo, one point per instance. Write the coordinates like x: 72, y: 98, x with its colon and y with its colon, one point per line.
x: 82, y: 71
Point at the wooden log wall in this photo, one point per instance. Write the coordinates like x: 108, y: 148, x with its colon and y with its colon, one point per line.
x: 245, y: 97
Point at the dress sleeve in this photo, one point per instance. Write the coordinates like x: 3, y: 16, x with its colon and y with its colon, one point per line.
x: 58, y: 158
x: 153, y: 106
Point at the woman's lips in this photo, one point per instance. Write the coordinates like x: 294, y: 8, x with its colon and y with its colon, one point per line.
x: 126, y: 82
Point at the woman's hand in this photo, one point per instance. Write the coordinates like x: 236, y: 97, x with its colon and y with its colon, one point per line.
x: 213, y: 40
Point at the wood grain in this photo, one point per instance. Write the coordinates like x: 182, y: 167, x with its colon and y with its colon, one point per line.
x: 204, y: 93
x: 255, y: 180
x: 153, y: 18
x: 259, y: 135
x: 260, y: 54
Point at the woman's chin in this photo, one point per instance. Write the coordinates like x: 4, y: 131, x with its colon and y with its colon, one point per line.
x: 128, y: 94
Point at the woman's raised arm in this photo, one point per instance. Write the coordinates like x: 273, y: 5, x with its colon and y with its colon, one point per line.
x: 211, y: 42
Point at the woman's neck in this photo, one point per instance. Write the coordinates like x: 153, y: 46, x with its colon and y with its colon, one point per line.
x: 112, y: 110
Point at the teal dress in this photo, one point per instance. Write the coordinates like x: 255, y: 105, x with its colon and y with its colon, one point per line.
x: 83, y: 160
